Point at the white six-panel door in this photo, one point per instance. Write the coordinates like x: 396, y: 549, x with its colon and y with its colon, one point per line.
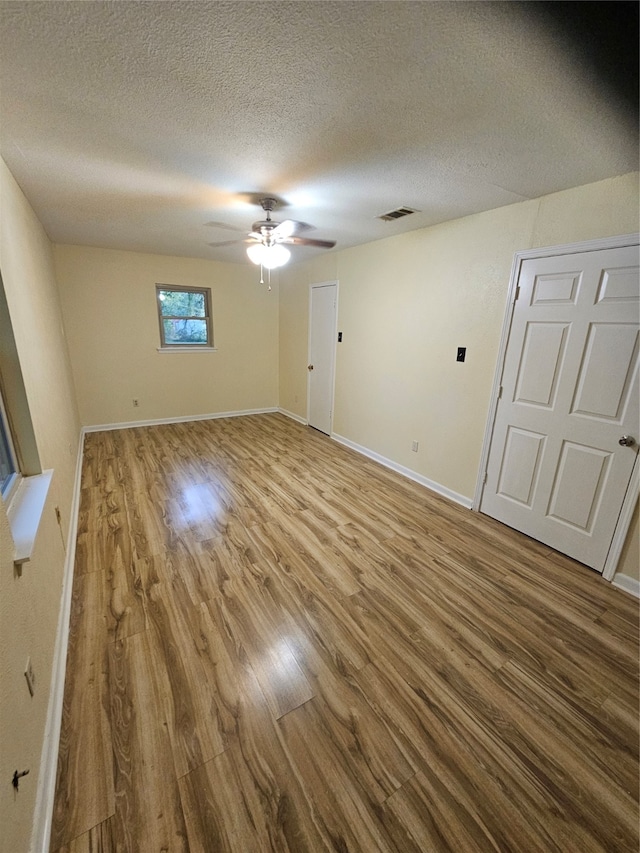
x: 556, y: 469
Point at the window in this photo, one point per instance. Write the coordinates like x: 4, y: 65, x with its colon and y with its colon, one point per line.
x: 184, y: 314
x: 23, y: 484
x: 8, y: 462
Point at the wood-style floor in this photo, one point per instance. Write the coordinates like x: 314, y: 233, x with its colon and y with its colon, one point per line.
x: 278, y: 645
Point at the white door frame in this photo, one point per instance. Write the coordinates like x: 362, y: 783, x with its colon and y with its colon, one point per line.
x: 333, y: 351
x: 628, y: 505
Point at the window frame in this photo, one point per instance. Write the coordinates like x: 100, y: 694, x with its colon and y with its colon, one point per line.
x: 208, y: 318
x: 8, y: 488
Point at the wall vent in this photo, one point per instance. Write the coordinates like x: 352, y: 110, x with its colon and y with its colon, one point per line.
x: 397, y: 214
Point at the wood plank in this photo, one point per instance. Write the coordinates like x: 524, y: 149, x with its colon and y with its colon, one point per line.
x: 148, y: 814
x: 255, y: 632
x: 99, y: 839
x: 339, y: 803
x: 309, y: 610
x: 431, y: 814
x: 249, y: 797
x: 610, y: 752
x: 462, y: 760
x: 326, y: 654
x: 188, y: 701
x: 84, y: 784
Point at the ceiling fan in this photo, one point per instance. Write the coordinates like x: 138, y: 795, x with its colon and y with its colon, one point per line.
x: 267, y: 238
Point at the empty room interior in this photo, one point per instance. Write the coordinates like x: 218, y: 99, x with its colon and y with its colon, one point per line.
x: 319, y: 427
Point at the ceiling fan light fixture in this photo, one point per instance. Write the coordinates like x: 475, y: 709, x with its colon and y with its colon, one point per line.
x: 269, y: 256
x: 256, y: 253
x: 275, y: 256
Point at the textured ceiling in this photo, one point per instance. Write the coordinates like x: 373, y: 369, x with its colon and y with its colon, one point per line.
x: 134, y: 124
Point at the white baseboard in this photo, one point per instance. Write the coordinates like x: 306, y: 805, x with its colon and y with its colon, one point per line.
x: 628, y: 584
x: 41, y: 831
x: 180, y: 420
x: 406, y: 472
x: 294, y: 417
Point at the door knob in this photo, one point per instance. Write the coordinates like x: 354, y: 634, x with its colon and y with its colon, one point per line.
x: 310, y: 367
x: 627, y: 441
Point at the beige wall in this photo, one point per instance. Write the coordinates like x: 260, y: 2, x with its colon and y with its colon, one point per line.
x: 407, y: 302
x: 109, y: 307
x: 29, y: 604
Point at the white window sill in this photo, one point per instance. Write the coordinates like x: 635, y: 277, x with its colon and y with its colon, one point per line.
x: 25, y: 512
x: 187, y: 349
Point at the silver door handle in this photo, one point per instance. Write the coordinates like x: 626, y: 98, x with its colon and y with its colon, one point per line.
x: 627, y: 441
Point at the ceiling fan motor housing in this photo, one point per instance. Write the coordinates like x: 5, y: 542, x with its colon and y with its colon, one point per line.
x: 266, y: 226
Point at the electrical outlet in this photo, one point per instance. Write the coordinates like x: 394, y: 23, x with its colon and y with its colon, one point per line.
x: 414, y: 446
x: 136, y: 402
x: 30, y: 675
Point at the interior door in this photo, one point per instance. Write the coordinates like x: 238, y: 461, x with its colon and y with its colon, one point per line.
x: 565, y: 435
x: 322, y: 350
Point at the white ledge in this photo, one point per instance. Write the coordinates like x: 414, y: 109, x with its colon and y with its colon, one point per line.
x: 25, y: 511
x: 187, y: 349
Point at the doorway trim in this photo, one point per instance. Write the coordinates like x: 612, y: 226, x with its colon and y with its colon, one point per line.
x: 633, y: 491
x: 336, y: 283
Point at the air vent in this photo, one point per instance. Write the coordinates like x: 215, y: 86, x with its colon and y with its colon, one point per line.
x: 397, y: 214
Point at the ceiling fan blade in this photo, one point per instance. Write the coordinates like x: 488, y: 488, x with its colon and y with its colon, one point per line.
x: 222, y: 225
x: 306, y: 241
x: 222, y: 243
x: 284, y: 229
x: 290, y: 228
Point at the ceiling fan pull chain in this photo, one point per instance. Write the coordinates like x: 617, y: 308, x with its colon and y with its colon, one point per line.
x: 261, y: 275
